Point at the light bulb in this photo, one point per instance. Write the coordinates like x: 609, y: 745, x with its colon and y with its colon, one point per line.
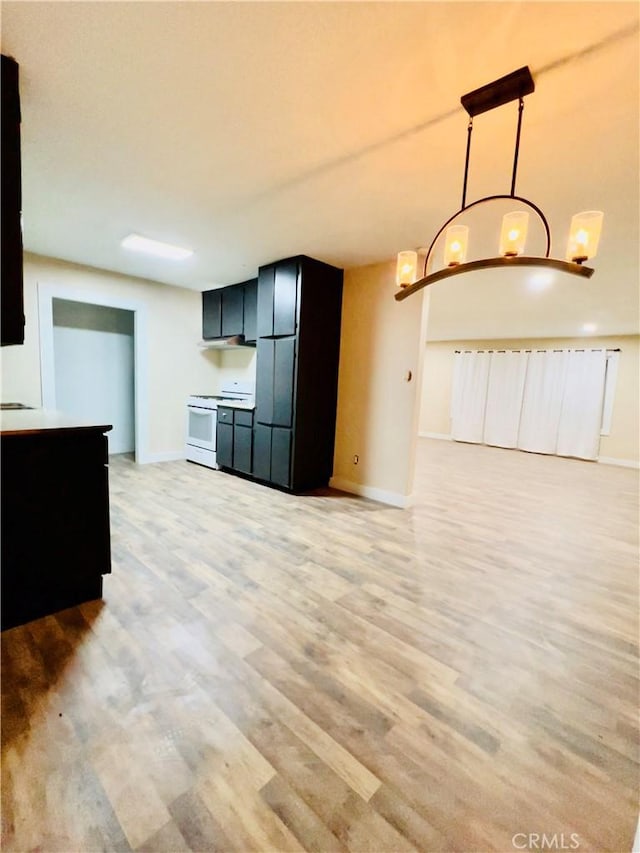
x: 584, y: 235
x: 406, y: 266
x: 513, y: 233
x: 455, y: 245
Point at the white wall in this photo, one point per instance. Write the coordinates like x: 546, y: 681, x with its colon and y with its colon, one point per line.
x: 94, y: 367
x: 176, y: 366
x: 623, y: 442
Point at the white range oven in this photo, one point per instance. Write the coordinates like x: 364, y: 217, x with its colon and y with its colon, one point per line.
x: 202, y: 416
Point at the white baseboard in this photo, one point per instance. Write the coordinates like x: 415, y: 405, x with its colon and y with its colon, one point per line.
x: 605, y: 460
x: 163, y: 456
x: 624, y: 463
x: 381, y: 495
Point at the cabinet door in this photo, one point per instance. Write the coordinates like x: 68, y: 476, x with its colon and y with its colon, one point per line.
x: 264, y: 380
x: 232, y: 311
x: 242, y: 447
x: 280, y: 456
x: 250, y: 310
x: 262, y: 452
x: 266, y: 277
x: 12, y: 315
x: 285, y: 288
x: 283, y: 377
x: 212, y: 314
x: 224, y: 445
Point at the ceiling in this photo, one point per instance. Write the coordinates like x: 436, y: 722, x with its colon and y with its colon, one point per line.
x: 250, y: 132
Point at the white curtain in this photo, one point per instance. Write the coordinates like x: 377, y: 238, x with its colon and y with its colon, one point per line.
x: 504, y: 398
x: 469, y: 395
x: 550, y: 401
x: 582, y: 403
x: 542, y: 403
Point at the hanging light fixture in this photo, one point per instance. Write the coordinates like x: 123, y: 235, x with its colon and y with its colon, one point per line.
x: 585, y: 227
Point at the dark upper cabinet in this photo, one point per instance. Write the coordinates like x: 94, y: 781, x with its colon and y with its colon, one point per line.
x: 11, y: 197
x: 277, y: 299
x: 285, y: 290
x: 266, y: 277
x: 298, y: 347
x: 212, y: 314
x: 232, y: 311
x: 251, y: 310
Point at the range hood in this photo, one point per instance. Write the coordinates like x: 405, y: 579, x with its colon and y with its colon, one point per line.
x: 225, y: 343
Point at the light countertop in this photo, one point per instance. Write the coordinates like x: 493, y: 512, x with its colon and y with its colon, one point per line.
x: 24, y: 421
x: 237, y: 404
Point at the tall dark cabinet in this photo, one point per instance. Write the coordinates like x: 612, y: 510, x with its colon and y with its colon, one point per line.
x: 11, y: 248
x: 298, y: 348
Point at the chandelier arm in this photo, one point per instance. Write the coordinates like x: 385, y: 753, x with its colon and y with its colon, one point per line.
x: 488, y: 263
x: 488, y: 198
x: 466, y: 162
x: 517, y: 148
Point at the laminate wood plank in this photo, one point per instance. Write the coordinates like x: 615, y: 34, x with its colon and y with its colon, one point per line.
x: 299, y: 818
x: 197, y: 825
x: 166, y: 840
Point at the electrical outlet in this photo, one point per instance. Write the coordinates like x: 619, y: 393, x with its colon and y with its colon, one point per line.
x: 356, y: 459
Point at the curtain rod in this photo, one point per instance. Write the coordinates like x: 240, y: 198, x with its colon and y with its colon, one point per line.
x: 572, y: 349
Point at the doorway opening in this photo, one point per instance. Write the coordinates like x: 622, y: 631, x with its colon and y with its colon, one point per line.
x: 93, y: 361
x: 93, y: 351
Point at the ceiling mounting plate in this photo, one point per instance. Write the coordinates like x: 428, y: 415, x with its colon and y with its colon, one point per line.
x: 512, y: 87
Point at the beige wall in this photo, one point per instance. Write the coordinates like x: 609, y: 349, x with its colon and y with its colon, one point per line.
x: 237, y: 363
x: 176, y: 366
x: 623, y: 441
x: 377, y: 408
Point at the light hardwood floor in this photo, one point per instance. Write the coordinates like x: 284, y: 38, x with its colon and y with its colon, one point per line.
x: 325, y: 673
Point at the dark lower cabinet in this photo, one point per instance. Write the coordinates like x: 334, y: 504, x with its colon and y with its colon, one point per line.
x: 242, y: 448
x: 235, y: 439
x: 281, y: 456
x: 224, y: 439
x: 262, y: 452
x: 272, y: 455
x: 55, y: 521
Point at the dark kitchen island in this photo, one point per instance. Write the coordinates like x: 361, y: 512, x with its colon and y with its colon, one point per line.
x: 55, y: 513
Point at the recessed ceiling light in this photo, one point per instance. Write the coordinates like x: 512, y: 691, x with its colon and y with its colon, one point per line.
x: 589, y: 327
x: 155, y: 247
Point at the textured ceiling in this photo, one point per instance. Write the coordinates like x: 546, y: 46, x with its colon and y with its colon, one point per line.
x: 253, y: 131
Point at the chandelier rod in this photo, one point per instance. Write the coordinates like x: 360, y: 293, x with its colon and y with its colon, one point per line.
x: 466, y: 163
x: 517, y: 148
